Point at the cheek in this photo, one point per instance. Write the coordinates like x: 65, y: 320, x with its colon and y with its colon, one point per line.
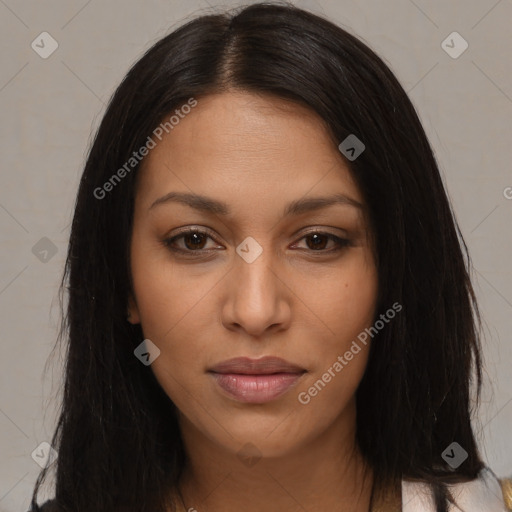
x: 330, y: 395
x: 171, y: 314
x: 346, y: 305
x: 171, y: 306
x: 345, y: 301
x: 165, y: 295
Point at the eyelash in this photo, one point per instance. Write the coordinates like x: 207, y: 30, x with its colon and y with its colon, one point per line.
x: 342, y: 242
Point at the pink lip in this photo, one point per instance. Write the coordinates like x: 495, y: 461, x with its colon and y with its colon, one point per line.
x: 256, y: 380
x: 256, y: 389
x: 262, y: 366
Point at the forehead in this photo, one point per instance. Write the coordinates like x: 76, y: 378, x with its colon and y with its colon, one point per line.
x: 249, y: 145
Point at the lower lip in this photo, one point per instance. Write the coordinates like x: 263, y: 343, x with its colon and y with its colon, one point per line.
x: 256, y: 389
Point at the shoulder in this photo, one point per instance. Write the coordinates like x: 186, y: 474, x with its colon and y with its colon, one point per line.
x: 486, y: 493
x: 47, y: 506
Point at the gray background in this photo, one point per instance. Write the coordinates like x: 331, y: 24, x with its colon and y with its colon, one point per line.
x: 49, y: 108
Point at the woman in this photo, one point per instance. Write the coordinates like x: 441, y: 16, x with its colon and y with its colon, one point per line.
x: 269, y: 305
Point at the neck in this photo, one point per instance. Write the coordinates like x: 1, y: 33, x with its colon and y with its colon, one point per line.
x: 327, y: 473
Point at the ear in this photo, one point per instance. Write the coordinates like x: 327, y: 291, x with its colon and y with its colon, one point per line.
x: 133, y: 315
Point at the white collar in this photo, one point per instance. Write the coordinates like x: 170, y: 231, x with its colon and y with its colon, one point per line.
x: 483, y: 494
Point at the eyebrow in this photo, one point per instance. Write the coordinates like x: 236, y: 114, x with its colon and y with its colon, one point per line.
x: 209, y: 205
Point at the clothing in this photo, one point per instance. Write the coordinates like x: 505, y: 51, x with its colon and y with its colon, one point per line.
x: 485, y: 494
x: 48, y: 506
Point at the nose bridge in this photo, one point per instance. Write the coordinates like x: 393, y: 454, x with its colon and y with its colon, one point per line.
x: 257, y: 296
x: 254, y: 273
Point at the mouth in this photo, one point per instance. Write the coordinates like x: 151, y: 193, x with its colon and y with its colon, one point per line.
x: 256, y: 380
x: 262, y: 366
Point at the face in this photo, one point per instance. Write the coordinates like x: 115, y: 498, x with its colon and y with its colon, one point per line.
x: 256, y: 266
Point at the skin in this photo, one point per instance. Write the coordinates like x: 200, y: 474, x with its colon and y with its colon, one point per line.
x: 256, y: 153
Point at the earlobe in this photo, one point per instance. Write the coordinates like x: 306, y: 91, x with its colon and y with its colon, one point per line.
x: 133, y: 311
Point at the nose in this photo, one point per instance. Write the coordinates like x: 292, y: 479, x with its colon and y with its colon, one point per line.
x: 257, y: 298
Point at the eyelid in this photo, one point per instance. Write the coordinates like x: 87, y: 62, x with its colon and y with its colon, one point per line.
x: 341, y: 241
x: 193, y: 229
x: 207, y: 231
x: 168, y: 240
x: 322, y: 231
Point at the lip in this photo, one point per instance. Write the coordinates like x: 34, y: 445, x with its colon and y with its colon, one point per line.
x: 256, y: 389
x: 256, y: 380
x: 262, y: 366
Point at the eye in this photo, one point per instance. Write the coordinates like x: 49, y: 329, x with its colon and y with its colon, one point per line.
x: 193, y: 241
x: 316, y: 241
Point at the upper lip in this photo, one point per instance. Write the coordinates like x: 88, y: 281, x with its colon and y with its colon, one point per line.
x: 262, y: 366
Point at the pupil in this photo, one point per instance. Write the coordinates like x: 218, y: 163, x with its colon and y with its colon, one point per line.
x: 317, y: 238
x: 197, y: 240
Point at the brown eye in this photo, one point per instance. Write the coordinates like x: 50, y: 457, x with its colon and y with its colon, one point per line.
x: 192, y: 240
x: 318, y: 242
